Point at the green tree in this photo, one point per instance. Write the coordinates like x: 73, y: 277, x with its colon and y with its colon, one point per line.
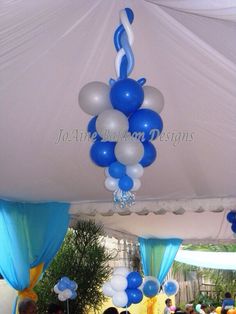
x: 223, y: 280
x: 84, y: 259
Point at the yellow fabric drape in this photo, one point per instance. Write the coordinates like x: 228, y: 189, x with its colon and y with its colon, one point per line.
x: 28, y: 292
x: 151, y: 304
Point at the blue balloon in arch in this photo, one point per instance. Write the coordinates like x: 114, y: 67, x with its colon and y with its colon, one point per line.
x: 233, y: 227
x: 147, y: 122
x: 134, y: 295
x: 102, y: 153
x: 117, y: 170
x: 125, y: 183
x: 149, y: 155
x: 150, y: 288
x: 92, y: 129
x: 231, y: 217
x: 134, y: 280
x: 126, y: 95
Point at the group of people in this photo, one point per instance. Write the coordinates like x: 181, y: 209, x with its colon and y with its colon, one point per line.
x: 28, y: 306
x: 228, y: 303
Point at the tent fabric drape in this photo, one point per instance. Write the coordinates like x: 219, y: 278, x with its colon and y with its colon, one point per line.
x: 157, y: 256
x: 30, y: 234
x: 216, y: 260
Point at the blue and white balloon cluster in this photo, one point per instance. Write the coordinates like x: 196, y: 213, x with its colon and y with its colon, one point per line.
x: 123, y: 287
x: 66, y: 289
x: 126, y: 120
x: 231, y: 217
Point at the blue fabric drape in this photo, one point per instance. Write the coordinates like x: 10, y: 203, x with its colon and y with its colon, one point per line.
x: 157, y: 256
x: 30, y: 234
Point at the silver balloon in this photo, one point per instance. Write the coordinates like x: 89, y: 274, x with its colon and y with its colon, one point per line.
x: 136, y: 185
x: 153, y: 99
x: 129, y: 152
x: 112, y: 125
x: 111, y: 184
x: 135, y: 171
x: 94, y: 98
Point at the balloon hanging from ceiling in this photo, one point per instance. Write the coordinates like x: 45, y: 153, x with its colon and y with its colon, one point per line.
x: 126, y: 120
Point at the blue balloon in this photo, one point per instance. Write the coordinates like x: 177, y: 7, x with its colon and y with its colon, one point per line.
x: 125, y: 183
x: 102, y: 153
x: 134, y: 295
x: 134, y: 280
x: 149, y: 155
x: 126, y: 95
x: 231, y: 216
x: 170, y: 288
x: 92, y: 130
x: 72, y: 285
x: 74, y: 295
x: 62, y: 285
x: 117, y: 170
x: 150, y: 288
x: 146, y: 122
x: 233, y: 227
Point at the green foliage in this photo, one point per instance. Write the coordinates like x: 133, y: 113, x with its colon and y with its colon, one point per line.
x: 223, y: 280
x: 83, y: 259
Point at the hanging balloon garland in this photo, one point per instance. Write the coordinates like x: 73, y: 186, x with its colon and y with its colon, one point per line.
x: 126, y: 120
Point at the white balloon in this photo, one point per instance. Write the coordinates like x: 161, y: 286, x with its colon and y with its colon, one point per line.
x: 107, y: 289
x: 135, y: 171
x: 61, y: 297
x: 94, y: 98
x: 153, y: 99
x: 56, y: 290
x: 122, y: 271
x: 136, y: 185
x: 111, y: 184
x: 129, y: 152
x: 120, y: 299
x: 112, y: 125
x: 119, y: 283
x: 67, y: 293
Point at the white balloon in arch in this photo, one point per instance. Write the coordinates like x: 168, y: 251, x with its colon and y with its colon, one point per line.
x: 111, y: 184
x: 137, y: 185
x: 120, y: 299
x: 107, y: 289
x: 119, y: 283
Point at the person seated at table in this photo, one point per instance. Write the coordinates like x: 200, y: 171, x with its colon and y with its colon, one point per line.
x: 27, y: 306
x: 111, y: 310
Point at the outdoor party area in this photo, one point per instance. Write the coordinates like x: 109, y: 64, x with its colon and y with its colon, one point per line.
x: 117, y: 163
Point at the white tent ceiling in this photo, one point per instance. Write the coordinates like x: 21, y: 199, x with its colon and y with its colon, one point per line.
x: 186, y: 48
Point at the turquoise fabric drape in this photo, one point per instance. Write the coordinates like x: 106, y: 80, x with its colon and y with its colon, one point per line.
x: 157, y: 256
x: 30, y: 234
